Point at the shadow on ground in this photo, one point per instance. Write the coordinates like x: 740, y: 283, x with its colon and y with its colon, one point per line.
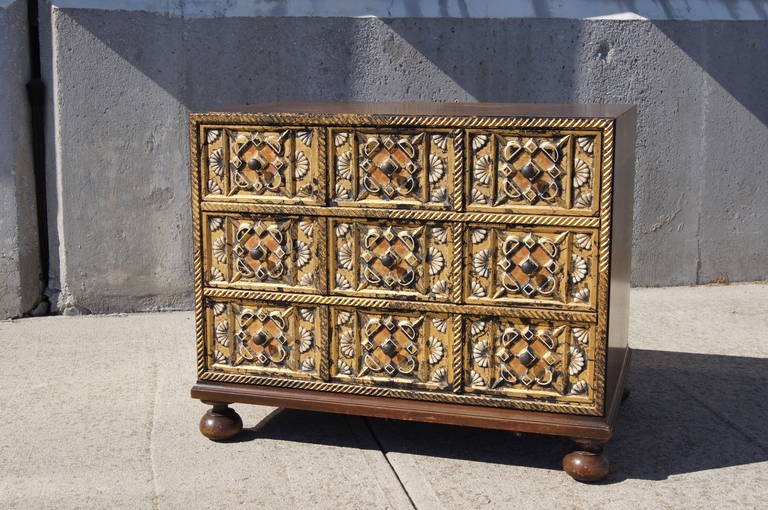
x: 687, y: 413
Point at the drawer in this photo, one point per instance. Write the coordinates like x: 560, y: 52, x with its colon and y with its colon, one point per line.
x: 401, y: 168
x: 264, y: 164
x: 281, y: 253
x: 394, y: 259
x: 397, y: 348
x: 265, y: 338
x: 533, y: 173
x: 536, y: 266
x: 516, y: 357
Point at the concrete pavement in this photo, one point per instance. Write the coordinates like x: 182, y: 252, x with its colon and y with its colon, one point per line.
x: 97, y: 414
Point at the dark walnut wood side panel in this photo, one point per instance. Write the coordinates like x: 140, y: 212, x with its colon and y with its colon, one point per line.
x: 444, y: 255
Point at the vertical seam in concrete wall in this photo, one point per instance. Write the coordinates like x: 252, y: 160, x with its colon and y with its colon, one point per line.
x: 36, y: 96
x: 63, y: 297
x: 705, y: 89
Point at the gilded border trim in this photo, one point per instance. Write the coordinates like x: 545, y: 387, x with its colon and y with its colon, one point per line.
x: 396, y: 304
x: 604, y: 258
x: 197, y: 248
x: 431, y: 121
x: 572, y: 407
x: 401, y: 214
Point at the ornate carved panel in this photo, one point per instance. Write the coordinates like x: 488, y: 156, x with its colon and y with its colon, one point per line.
x: 386, y: 168
x: 458, y: 259
x: 393, y: 348
x: 257, y: 337
x: 542, y: 265
x: 270, y: 164
x: 552, y: 173
x: 517, y: 357
x: 396, y: 259
x: 265, y: 252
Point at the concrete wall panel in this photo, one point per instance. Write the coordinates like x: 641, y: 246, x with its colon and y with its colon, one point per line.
x: 124, y: 81
x: 20, y: 284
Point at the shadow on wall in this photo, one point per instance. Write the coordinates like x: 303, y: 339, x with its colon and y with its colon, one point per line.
x: 513, y: 61
x: 680, y: 403
x: 691, y: 82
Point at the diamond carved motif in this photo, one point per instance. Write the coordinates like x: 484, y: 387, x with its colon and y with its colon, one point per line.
x: 266, y: 252
x: 413, y: 348
x: 538, y: 173
x: 390, y: 346
x: 262, y: 337
x: 409, y: 168
x: 262, y: 250
x: 528, y: 356
x: 529, y: 265
x: 516, y: 356
x: 390, y: 166
x: 391, y: 257
x: 278, y: 165
x: 258, y: 162
x: 543, y: 265
x: 530, y: 170
x: 385, y: 258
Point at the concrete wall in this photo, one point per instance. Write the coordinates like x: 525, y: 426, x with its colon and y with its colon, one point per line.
x: 123, y: 82
x: 20, y: 284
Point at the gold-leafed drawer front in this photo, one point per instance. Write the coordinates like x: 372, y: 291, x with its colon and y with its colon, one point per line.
x: 538, y: 266
x: 525, y: 358
x: 395, y: 259
x: 260, y: 252
x: 533, y: 173
x: 392, y: 348
x: 265, y: 338
x: 394, y: 168
x: 264, y: 164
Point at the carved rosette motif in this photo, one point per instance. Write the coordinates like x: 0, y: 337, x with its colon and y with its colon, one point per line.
x: 542, y: 265
x: 265, y: 252
x: 261, y: 337
x: 279, y: 165
x: 552, y: 174
x: 515, y: 357
x: 400, y: 348
x: 392, y: 169
x: 384, y: 258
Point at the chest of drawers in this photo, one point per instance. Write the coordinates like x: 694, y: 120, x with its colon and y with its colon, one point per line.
x: 455, y: 263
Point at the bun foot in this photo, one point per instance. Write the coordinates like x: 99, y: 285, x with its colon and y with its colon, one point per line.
x: 587, y: 464
x: 220, y: 423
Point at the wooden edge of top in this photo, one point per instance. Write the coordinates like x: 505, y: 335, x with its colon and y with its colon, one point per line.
x: 526, y: 110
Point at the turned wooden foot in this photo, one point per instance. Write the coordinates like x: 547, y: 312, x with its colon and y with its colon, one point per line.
x: 587, y: 463
x: 220, y: 422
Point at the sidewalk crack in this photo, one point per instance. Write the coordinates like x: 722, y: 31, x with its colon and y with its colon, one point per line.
x: 386, y: 458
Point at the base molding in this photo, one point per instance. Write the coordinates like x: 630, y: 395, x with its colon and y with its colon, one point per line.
x: 597, y: 428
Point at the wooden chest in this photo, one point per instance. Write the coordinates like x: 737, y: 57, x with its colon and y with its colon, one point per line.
x: 455, y: 263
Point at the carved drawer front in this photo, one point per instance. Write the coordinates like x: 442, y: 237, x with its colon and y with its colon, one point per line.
x: 536, y: 173
x: 284, y: 253
x: 396, y: 348
x: 396, y: 259
x: 542, y: 266
x: 264, y: 164
x: 524, y: 358
x: 266, y: 338
x: 396, y: 168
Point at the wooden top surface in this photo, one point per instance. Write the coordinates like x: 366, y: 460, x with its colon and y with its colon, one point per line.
x: 446, y: 109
